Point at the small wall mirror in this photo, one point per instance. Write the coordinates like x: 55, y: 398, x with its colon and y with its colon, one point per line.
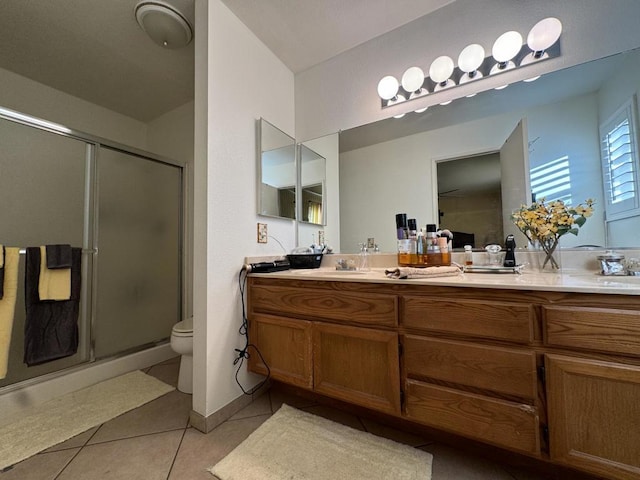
x: 313, y: 173
x: 276, y: 172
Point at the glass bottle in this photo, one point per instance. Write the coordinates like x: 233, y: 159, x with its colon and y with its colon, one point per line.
x: 433, y: 250
x: 468, y: 255
x: 404, y: 244
x: 444, y: 251
x: 413, y: 242
x: 421, y: 249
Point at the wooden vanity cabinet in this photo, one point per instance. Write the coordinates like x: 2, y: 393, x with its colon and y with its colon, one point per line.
x: 593, y: 388
x: 339, y: 343
x: 468, y: 369
x: 553, y: 375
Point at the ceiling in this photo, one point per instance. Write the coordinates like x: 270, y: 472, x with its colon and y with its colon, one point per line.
x: 95, y: 50
x: 303, y: 33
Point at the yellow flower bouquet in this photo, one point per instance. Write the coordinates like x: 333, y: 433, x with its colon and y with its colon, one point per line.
x: 545, y: 223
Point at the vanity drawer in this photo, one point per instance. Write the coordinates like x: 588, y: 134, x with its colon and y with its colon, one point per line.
x: 602, y: 329
x: 513, y: 322
x: 497, y: 369
x: 500, y: 422
x: 357, y: 308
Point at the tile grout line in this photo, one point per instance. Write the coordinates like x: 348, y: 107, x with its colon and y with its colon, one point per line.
x: 175, y: 456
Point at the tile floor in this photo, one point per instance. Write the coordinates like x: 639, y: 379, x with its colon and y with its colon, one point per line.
x: 155, y: 441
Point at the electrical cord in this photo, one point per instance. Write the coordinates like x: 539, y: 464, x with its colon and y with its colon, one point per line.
x: 243, y: 353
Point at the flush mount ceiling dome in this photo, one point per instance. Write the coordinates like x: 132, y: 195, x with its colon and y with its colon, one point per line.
x: 165, y: 25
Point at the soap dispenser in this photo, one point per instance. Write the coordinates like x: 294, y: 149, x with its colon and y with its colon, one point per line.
x: 510, y: 251
x: 363, y: 264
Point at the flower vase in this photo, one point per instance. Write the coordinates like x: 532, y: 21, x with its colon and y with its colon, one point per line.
x: 545, y: 255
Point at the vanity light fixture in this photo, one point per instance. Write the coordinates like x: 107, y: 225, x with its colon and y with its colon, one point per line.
x: 507, y: 53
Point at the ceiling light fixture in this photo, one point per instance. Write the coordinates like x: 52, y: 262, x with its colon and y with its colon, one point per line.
x: 507, y: 54
x: 165, y: 25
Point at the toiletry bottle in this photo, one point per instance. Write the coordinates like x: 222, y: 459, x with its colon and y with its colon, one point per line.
x: 433, y: 250
x: 421, y: 249
x: 404, y: 244
x: 363, y: 264
x: 444, y: 251
x: 413, y: 241
x: 468, y: 255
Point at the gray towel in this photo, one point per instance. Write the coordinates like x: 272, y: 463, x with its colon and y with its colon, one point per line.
x: 51, y: 327
x: 58, y: 256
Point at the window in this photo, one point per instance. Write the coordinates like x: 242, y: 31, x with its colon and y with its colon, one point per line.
x: 552, y: 181
x: 620, y: 163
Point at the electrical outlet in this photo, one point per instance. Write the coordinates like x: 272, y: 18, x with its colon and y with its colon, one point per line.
x: 321, y: 237
x: 262, y: 233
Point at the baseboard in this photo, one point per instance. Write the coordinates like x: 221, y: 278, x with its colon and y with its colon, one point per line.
x: 208, y: 423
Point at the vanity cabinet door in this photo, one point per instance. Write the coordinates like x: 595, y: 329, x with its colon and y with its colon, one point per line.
x: 285, y: 345
x: 594, y: 415
x: 358, y: 365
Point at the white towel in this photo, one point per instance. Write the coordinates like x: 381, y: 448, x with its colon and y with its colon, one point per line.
x: 7, y: 304
x: 53, y: 284
x: 428, y: 272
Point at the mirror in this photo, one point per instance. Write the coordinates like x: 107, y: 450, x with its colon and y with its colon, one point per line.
x: 312, y: 185
x: 390, y: 166
x: 276, y: 172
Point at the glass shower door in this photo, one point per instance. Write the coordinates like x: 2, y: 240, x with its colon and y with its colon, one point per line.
x: 43, y: 200
x: 138, y: 266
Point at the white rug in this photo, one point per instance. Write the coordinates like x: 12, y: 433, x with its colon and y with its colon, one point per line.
x: 64, y: 417
x: 296, y: 445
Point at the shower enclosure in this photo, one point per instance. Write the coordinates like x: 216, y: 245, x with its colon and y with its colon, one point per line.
x: 124, y: 207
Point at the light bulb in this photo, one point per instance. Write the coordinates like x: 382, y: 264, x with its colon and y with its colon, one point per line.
x: 544, y: 34
x: 441, y: 69
x: 471, y: 57
x: 412, y: 79
x: 507, y: 46
x: 388, y: 87
x: 469, y: 60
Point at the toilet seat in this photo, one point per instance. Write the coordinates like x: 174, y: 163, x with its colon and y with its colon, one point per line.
x: 183, y: 328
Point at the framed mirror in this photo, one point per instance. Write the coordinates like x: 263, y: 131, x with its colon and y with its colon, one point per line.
x: 277, y: 172
x: 313, y: 175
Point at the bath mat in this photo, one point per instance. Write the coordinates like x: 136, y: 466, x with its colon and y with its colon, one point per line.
x: 64, y: 417
x: 296, y: 445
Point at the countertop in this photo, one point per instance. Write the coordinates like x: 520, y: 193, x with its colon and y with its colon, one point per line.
x: 580, y: 281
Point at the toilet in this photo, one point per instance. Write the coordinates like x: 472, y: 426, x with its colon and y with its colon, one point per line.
x: 182, y: 343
